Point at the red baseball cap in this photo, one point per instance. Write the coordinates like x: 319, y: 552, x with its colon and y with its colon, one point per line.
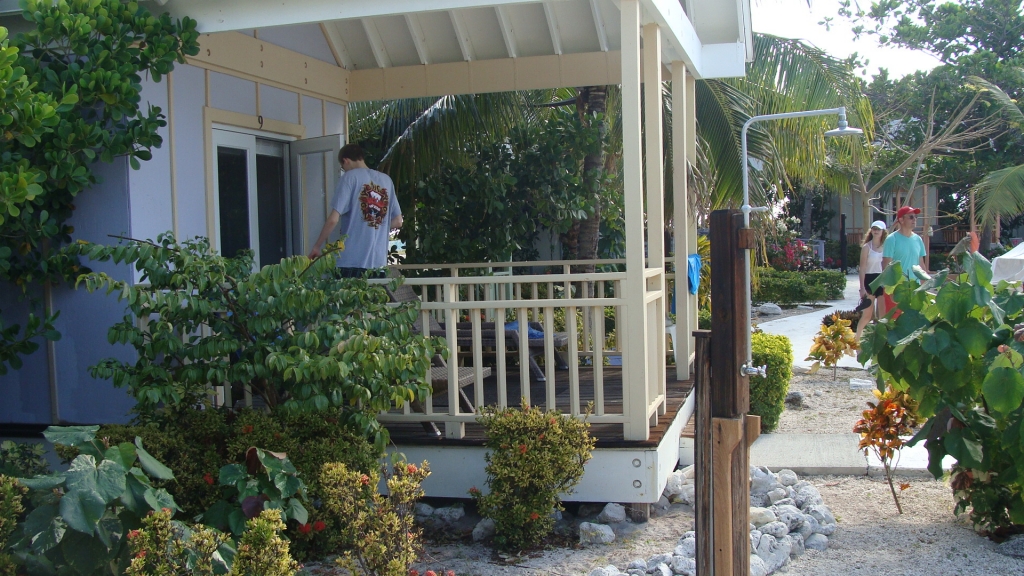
x: 907, y: 210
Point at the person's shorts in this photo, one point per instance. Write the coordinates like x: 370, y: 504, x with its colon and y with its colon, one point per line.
x: 361, y: 272
x: 868, y: 279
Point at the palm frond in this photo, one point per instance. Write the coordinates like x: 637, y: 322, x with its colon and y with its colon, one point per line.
x: 1008, y: 106
x: 1001, y: 193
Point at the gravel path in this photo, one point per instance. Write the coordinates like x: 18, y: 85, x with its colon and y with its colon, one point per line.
x: 830, y: 407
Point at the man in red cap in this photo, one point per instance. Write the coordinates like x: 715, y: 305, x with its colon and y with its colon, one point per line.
x: 905, y: 246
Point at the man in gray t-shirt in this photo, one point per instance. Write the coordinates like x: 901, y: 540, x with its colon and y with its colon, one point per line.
x: 365, y: 204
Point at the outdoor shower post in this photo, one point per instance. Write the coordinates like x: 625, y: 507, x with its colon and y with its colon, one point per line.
x: 728, y: 435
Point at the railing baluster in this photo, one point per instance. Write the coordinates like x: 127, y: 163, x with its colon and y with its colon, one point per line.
x: 549, y: 357
x: 535, y: 294
x: 428, y: 406
x: 598, y: 312
x: 574, y: 363
x: 524, y: 355
x: 499, y: 352
x: 478, y: 359
x: 453, y: 429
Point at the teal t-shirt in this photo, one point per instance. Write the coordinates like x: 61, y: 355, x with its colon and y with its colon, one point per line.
x: 908, y: 251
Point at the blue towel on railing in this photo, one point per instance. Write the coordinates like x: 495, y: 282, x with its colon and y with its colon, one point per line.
x: 531, y: 332
x: 693, y: 265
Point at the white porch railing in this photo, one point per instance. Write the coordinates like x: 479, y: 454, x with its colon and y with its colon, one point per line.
x: 473, y: 312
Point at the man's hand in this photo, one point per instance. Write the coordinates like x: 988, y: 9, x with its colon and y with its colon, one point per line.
x: 314, y: 253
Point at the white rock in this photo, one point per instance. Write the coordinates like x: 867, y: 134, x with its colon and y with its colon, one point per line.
x: 798, y: 545
x: 787, y: 477
x: 762, y: 516
x: 661, y: 570
x: 755, y: 537
x: 757, y: 472
x: 763, y: 485
x: 769, y: 309
x: 822, y: 514
x: 800, y: 485
x: 689, y: 471
x: 687, y: 495
x: 777, y: 529
x: 786, y: 502
x: 658, y: 559
x: 684, y: 565
x: 810, y: 526
x: 422, y: 510
x: 816, y: 542
x: 808, y: 496
x: 774, y: 552
x: 636, y: 572
x: 777, y: 494
x: 638, y: 564
x: 819, y: 392
x: 826, y: 529
x: 662, y: 504
x: 790, y: 515
x: 484, y: 529
x: 687, y: 534
x: 605, y: 571
x: 675, y: 484
x: 591, y: 533
x: 757, y: 566
x: 688, y: 548
x: 449, y: 514
x: 612, y: 513
x: 759, y: 501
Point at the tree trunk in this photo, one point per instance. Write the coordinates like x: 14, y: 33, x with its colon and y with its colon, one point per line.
x: 805, y: 224
x: 590, y: 102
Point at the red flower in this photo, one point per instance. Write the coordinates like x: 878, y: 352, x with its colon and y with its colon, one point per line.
x: 414, y: 572
x: 411, y: 469
x: 319, y: 525
x: 167, y: 510
x: 208, y: 478
x: 247, y: 429
x: 141, y: 554
x: 534, y: 515
x: 132, y: 534
x: 305, y: 528
x: 364, y: 480
x: 541, y: 437
x: 522, y: 448
x: 450, y: 573
x: 430, y: 573
x: 552, y: 421
x: 474, y: 490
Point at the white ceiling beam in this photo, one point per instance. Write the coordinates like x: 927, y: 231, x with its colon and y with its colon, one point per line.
x: 679, y: 40
x: 602, y: 33
x: 556, y: 38
x: 419, y: 39
x: 337, y: 45
x: 462, y: 35
x: 506, y: 31
x: 380, y: 54
x: 224, y: 15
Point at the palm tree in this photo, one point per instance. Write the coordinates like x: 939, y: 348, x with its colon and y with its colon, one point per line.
x: 1000, y: 193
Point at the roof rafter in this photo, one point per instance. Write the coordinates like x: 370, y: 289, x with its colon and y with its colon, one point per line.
x: 337, y: 45
x: 419, y: 39
x: 602, y: 33
x: 462, y: 34
x: 506, y: 31
x: 380, y: 54
x: 556, y: 38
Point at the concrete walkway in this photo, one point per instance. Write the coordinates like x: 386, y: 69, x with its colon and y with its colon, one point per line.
x: 801, y: 328
x: 826, y: 453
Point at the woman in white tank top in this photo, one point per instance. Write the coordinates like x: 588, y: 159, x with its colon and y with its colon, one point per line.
x: 870, y: 268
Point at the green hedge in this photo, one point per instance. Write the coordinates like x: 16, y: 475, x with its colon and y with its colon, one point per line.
x: 782, y: 287
x: 703, y: 319
x: 768, y: 395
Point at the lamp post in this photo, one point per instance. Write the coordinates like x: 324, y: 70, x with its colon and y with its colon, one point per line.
x: 843, y: 129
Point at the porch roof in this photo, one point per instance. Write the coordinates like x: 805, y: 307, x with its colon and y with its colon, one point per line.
x: 712, y: 37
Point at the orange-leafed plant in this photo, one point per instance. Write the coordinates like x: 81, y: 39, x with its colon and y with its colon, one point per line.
x: 831, y: 343
x: 882, y: 429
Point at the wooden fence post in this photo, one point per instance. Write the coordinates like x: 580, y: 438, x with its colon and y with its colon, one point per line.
x: 730, y: 396
x: 702, y: 453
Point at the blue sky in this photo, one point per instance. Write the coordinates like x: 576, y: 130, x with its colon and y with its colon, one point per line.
x: 793, y: 19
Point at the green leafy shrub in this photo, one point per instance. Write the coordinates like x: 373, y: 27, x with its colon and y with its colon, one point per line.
x: 952, y: 348
x: 300, y: 336
x: 22, y: 460
x: 163, y: 547
x: 80, y: 517
x: 381, y: 531
x: 833, y: 281
x: 784, y: 287
x: 704, y: 319
x: 267, y: 481
x: 768, y: 394
x: 533, y: 456
x: 11, y: 493
x: 197, y: 443
x: 262, y: 551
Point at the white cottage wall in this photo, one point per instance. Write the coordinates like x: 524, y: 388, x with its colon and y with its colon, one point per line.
x: 189, y: 97
x: 233, y: 93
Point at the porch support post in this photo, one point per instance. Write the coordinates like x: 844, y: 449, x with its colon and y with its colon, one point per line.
x: 655, y: 211
x: 634, y: 334
x: 685, y: 324
x: 690, y: 140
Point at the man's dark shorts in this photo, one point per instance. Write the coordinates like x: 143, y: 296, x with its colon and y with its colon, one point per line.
x: 361, y: 272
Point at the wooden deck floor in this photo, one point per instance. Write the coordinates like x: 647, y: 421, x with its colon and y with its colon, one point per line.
x: 608, y: 435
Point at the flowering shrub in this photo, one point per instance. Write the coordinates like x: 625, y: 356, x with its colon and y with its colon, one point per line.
x: 793, y: 254
x: 10, y: 509
x: 831, y: 343
x: 380, y: 529
x: 533, y: 457
x: 262, y: 551
x: 165, y: 547
x: 267, y: 480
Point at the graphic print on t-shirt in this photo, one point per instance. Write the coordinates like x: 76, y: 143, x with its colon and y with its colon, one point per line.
x: 373, y: 201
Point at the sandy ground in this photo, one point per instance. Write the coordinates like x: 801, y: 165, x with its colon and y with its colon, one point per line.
x: 830, y: 407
